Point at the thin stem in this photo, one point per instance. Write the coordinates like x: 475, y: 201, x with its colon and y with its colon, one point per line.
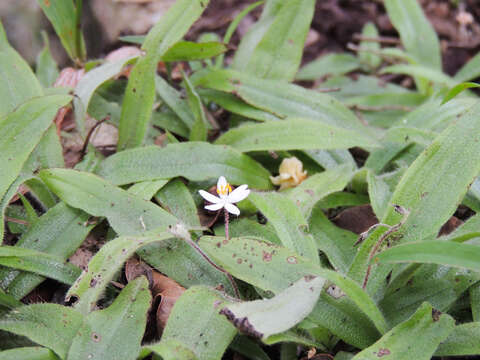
x: 386, y: 234
x: 227, y: 236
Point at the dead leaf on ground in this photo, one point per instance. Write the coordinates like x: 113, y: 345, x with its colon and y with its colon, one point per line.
x: 163, y: 288
x: 357, y: 219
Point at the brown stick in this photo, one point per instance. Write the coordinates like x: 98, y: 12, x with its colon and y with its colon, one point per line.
x: 379, y: 39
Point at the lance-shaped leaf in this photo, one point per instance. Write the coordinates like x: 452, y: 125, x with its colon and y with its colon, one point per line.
x: 140, y: 92
x: 195, y: 322
x: 273, y: 49
x: 21, y: 131
x: 451, y: 159
x: 317, y: 186
x: 19, y: 82
x: 104, y: 265
x: 58, y: 232
x: 408, y: 18
x: 50, y: 325
x: 263, y: 318
x: 288, y: 221
x: 293, y: 134
x: 330, y: 64
x: 90, y: 82
x: 280, y: 98
x: 47, y: 153
x: 416, y: 338
x: 39, y: 263
x: 115, y: 332
x: 274, y: 268
x: 193, y: 160
x: 63, y: 16
x: 436, y: 252
x: 126, y: 213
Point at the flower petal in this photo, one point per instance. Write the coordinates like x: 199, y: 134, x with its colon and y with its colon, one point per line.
x: 238, y: 194
x: 232, y: 209
x: 209, y: 197
x: 214, y: 207
x: 221, y: 183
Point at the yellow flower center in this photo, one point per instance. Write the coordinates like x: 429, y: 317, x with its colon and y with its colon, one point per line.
x: 224, y: 190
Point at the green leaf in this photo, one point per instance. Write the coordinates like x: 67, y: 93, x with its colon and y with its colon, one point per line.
x: 470, y: 70
x: 317, y: 186
x: 39, y: 263
x: 334, y: 242
x: 409, y: 20
x: 233, y: 26
x: 274, y: 268
x: 421, y: 71
x: 263, y: 318
x: 280, y: 98
x: 440, y: 286
x: 28, y: 353
x: 188, y: 51
x: 449, y: 158
x: 416, y: 338
x: 63, y: 16
x: 466, y: 231
x: 195, y: 161
x: 50, y: 325
x: 288, y: 221
x: 46, y: 66
x: 104, y: 265
x: 59, y: 233
x: 199, y: 127
x: 19, y: 82
x: 435, y: 252
x: 23, y: 130
x: 140, y: 92
x: 177, y: 200
x: 170, y: 350
x: 127, y: 214
x: 147, y: 189
x: 248, y: 348
x: 458, y: 89
x: 115, y: 332
x: 9, y: 301
x: 195, y: 323
x: 293, y: 134
x: 330, y: 64
x: 369, y: 58
x: 273, y: 48
x: 235, y: 105
x: 462, y: 341
x: 174, y: 101
x: 90, y: 82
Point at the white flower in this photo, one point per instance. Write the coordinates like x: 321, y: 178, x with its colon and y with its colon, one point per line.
x: 226, y: 196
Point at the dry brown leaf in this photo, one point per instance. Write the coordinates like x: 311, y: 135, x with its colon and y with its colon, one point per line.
x: 165, y: 291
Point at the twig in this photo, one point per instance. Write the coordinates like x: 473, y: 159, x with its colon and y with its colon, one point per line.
x: 379, y: 108
x: 16, y: 221
x: 89, y: 135
x: 379, y: 39
x: 328, y: 90
x: 399, y: 209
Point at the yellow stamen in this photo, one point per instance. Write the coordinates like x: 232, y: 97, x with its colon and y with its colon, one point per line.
x: 224, y: 190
